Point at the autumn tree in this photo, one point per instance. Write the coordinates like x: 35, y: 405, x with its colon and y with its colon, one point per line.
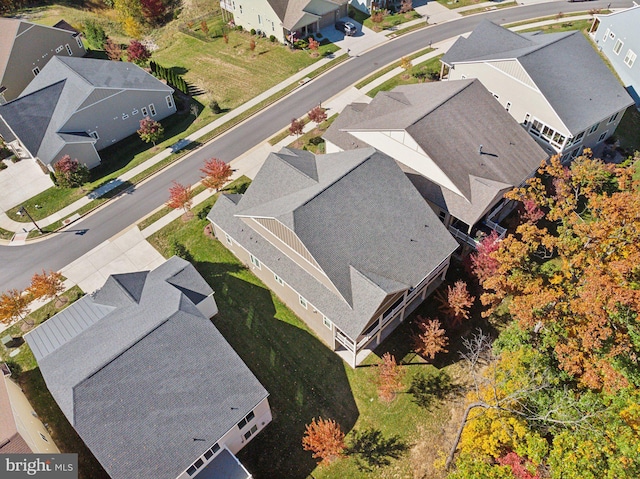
x: 114, y: 50
x: 137, y: 53
x: 389, y: 376
x: 153, y: 10
x: 14, y: 304
x: 69, y: 173
x: 46, y: 285
x: 180, y: 197
x: 325, y: 439
x: 296, y: 127
x: 216, y: 173
x: 313, y: 46
x: 483, y: 264
x: 406, y: 6
x: 132, y: 27
x: 150, y: 131
x: 430, y: 339
x: 456, y: 303
x: 317, y: 114
x: 571, y: 276
x: 252, y: 44
x: 204, y: 28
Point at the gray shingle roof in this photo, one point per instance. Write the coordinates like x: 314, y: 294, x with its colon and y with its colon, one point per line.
x: 564, y: 66
x: 146, y: 378
x: 363, y: 222
x: 449, y: 121
x: 295, y: 14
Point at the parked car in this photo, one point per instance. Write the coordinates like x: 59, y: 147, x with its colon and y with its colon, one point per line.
x: 347, y: 28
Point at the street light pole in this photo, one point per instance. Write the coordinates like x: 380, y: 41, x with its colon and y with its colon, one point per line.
x: 23, y: 210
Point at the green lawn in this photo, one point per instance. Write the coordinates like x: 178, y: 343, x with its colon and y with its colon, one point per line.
x: 26, y: 372
x: 497, y: 6
x: 407, y: 78
x: 388, y: 68
x: 561, y: 26
x: 391, y: 21
x: 304, y: 378
x: 312, y: 140
x: 459, y: 3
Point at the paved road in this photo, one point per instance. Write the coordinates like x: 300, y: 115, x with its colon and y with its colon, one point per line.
x: 18, y: 263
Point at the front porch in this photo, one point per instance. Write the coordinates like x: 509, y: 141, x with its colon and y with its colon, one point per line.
x: 472, y: 235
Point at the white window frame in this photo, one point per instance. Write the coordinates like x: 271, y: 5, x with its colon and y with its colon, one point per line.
x: 593, y: 128
x: 152, y: 109
x: 527, y: 119
x: 259, y: 20
x: 602, y: 136
x: 278, y: 279
x: 612, y: 35
x: 617, y: 47
x: 169, y: 101
x: 69, y: 50
x: 44, y: 438
x: 94, y: 134
x: 327, y: 322
x: 613, y: 118
x: 228, y: 239
x: 144, y: 111
x: 79, y: 41
x: 606, y: 34
x: 59, y: 49
x: 125, y: 116
x: 630, y: 58
x: 35, y: 71
x: 135, y: 111
x: 255, y: 261
x: 508, y: 106
x: 303, y: 302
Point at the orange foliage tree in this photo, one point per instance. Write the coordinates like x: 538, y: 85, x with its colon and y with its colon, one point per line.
x: 216, y: 172
x: 390, y: 376
x: 180, y: 197
x: 571, y: 277
x: 317, y: 114
x: 431, y: 339
x: 13, y: 304
x: 325, y: 439
x: 296, y: 127
x: 46, y: 285
x: 457, y: 302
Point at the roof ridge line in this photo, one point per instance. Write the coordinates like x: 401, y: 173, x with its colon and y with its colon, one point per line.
x: 282, y: 160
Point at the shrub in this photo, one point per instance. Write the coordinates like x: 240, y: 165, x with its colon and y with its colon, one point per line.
x: 70, y: 173
x: 272, y: 38
x: 215, y: 107
x: 95, y: 34
x: 316, y: 140
x: 3, y: 165
x: 253, y: 31
x: 239, y: 28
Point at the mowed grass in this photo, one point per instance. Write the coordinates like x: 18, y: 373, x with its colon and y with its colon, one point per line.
x: 407, y: 78
x: 304, y: 378
x: 231, y: 73
x: 26, y: 373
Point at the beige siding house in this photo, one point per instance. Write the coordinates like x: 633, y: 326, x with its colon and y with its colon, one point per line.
x: 456, y: 144
x: 147, y: 380
x: 25, y: 48
x: 78, y: 106
x: 345, y: 240
x: 21, y: 431
x: 555, y: 84
x: 287, y: 20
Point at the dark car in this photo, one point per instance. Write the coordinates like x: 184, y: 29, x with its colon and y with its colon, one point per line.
x: 347, y: 28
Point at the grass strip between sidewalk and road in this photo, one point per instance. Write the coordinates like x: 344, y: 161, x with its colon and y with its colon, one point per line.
x: 392, y: 66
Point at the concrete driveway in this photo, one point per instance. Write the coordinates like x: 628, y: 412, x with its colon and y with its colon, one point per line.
x: 363, y: 40
x: 20, y: 181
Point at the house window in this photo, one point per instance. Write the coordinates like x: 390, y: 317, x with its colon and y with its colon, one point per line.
x: 612, y: 35
x: 44, y: 438
x: 94, y: 134
x: 527, y: 118
x: 278, y: 279
x: 250, y: 432
x: 199, y: 463
x: 152, y: 109
x: 617, y: 47
x: 208, y: 454
x: 134, y: 112
x: 59, y: 49
x: 246, y: 419
x: 192, y: 470
x: 169, y: 99
x: 255, y: 261
x: 303, y: 302
x: 463, y: 77
x: 326, y: 322
x: 144, y: 111
x: 442, y: 215
x: 497, y: 97
x: 215, y: 448
x: 228, y: 238
x: 575, y: 153
x: 79, y: 40
x: 69, y: 51
x: 613, y: 118
x: 259, y: 20
x: 629, y: 58
x: 35, y: 71
x: 125, y: 116
x: 602, y: 137
x: 508, y: 106
x: 578, y: 138
x: 240, y: 8
x: 593, y: 128
x: 273, y: 27
x: 606, y: 34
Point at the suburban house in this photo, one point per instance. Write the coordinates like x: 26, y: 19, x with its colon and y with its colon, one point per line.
x: 21, y: 431
x: 457, y: 145
x: 618, y: 37
x: 78, y: 106
x: 25, y: 48
x: 555, y: 85
x: 344, y: 239
x: 147, y: 380
x: 286, y: 20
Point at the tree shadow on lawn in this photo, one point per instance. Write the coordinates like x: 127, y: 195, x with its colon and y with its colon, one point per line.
x: 304, y: 378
